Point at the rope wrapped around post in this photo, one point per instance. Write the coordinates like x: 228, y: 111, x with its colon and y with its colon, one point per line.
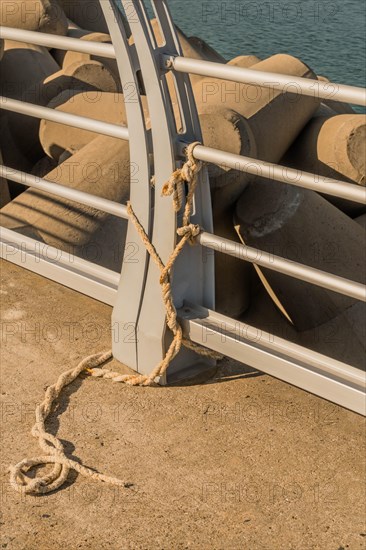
x: 187, y: 175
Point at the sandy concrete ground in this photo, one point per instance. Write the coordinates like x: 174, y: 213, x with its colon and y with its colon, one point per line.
x: 242, y: 461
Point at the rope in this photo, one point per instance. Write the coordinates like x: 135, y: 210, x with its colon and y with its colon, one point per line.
x: 52, y: 445
x: 187, y: 175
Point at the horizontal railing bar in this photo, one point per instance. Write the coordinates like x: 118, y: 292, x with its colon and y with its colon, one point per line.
x: 289, y: 83
x: 27, y: 244
x: 61, y: 42
x: 64, y: 268
x: 105, y: 205
x: 336, y: 188
x: 76, y: 121
x: 285, y: 360
x: 282, y: 265
x: 275, y: 344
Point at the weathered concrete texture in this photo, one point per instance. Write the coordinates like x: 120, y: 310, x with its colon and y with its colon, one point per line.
x: 33, y: 15
x: 214, y: 466
x: 333, y: 147
x: 100, y: 168
x: 300, y: 225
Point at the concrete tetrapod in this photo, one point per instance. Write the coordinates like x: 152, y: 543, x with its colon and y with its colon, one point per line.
x: 333, y: 147
x: 100, y: 168
x: 301, y: 226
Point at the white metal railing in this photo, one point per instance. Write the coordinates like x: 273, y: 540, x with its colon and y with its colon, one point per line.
x: 136, y: 295
x: 284, y: 174
x: 60, y: 42
x: 69, y: 119
x: 298, y: 85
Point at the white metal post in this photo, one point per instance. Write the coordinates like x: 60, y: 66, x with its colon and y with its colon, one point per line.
x: 193, y: 276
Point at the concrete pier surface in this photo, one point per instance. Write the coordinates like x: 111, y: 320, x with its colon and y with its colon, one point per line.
x: 236, y: 461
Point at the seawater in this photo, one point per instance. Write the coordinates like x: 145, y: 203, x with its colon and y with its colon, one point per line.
x: 330, y: 37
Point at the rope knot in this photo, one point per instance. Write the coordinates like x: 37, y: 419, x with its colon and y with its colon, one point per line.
x: 184, y: 175
x: 190, y: 231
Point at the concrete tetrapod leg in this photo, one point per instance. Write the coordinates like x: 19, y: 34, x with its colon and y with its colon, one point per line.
x: 33, y: 15
x: 100, y: 168
x: 333, y: 147
x: 57, y: 138
x: 84, y: 76
x: 275, y: 118
x: 301, y: 226
x: 66, y: 58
